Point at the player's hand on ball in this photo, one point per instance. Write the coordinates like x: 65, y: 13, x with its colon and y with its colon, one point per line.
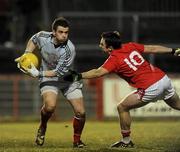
x: 72, y: 76
x: 21, y: 69
x: 32, y: 71
x: 25, y: 60
x: 19, y: 66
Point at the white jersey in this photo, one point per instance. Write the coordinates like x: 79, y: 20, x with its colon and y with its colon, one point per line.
x: 57, y: 58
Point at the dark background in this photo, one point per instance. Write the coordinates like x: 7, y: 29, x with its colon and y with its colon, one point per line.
x: 143, y: 21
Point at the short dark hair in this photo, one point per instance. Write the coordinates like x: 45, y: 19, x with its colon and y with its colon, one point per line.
x: 61, y: 21
x: 112, y: 39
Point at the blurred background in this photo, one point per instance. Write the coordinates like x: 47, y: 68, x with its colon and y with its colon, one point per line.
x: 143, y: 21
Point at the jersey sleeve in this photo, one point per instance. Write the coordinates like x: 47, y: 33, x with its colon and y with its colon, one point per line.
x: 110, y: 64
x: 39, y: 38
x: 139, y: 47
x: 36, y: 39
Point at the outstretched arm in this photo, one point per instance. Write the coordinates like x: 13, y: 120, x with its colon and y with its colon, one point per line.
x: 161, y: 49
x: 94, y: 73
x: 156, y: 49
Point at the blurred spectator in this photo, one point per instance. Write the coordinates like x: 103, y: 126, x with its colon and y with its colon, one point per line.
x: 4, y: 6
x: 26, y: 12
x: 4, y: 17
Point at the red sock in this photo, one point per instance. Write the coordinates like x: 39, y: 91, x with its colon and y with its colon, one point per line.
x: 78, y: 125
x: 125, y: 133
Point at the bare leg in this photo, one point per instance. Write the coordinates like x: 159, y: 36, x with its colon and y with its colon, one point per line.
x: 49, y: 99
x: 130, y: 102
x: 174, y: 102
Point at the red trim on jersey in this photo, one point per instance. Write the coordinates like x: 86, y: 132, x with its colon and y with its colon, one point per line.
x: 128, y: 63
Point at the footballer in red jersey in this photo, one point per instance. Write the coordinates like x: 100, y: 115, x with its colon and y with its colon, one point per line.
x: 127, y: 62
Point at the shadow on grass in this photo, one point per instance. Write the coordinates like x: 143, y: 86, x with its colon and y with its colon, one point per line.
x: 55, y: 146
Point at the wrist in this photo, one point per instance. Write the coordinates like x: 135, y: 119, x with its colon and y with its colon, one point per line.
x: 27, y: 51
x: 41, y: 73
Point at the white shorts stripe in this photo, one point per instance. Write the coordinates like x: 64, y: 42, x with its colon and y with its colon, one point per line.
x: 161, y: 90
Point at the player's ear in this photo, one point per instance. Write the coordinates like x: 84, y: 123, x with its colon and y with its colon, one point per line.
x: 54, y: 33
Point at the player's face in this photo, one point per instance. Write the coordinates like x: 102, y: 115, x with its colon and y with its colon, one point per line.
x: 61, y: 34
x: 102, y: 45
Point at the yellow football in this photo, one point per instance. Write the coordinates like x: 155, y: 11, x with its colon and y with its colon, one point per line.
x: 27, y: 59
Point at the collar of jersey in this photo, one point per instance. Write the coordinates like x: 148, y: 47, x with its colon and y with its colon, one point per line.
x: 62, y: 45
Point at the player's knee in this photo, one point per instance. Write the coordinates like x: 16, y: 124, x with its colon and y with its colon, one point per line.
x: 80, y: 114
x: 121, y: 107
x: 50, y: 108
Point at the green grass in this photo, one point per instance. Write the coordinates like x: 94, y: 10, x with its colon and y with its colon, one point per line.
x: 151, y: 136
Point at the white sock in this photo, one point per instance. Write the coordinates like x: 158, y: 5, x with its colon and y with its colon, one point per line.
x: 126, y: 140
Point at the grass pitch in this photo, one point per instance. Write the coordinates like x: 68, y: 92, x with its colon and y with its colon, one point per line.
x: 154, y: 136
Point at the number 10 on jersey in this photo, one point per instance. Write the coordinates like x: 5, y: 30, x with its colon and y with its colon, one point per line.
x: 133, y: 62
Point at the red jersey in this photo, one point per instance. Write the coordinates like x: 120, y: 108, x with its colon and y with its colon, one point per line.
x: 128, y: 63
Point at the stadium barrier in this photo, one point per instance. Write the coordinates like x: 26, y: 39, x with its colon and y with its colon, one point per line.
x: 114, y: 90
x: 20, y: 99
